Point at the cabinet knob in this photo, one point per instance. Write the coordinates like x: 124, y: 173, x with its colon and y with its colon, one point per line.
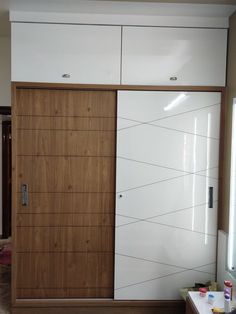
x: 66, y: 75
x: 173, y: 78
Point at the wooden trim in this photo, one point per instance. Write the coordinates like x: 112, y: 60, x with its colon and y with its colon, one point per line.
x: 117, y: 87
x: 221, y: 157
x: 94, y: 303
x: 162, y: 307
x: 14, y: 195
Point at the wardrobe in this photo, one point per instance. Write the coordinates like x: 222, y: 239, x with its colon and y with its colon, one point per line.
x: 116, y: 139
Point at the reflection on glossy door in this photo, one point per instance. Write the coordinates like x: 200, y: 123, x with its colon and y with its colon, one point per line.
x: 167, y: 158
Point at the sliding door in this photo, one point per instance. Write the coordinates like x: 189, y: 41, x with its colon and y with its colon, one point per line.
x: 167, y: 183
x: 64, y: 176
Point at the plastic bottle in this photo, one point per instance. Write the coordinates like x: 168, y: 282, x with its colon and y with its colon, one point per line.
x: 202, y: 292
x: 211, y: 298
x: 227, y: 304
x: 228, y: 288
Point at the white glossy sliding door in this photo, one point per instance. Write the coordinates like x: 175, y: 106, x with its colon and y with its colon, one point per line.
x: 167, y: 159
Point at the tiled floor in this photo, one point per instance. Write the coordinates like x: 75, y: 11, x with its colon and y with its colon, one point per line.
x: 5, y: 280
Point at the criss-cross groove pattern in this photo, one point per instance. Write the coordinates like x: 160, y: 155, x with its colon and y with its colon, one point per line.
x: 159, y: 277
x: 166, y: 264
x: 181, y: 269
x: 151, y: 122
x: 197, y: 173
x: 169, y: 168
x: 154, y: 232
x: 149, y: 220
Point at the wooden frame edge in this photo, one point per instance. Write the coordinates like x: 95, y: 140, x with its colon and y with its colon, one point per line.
x: 223, y: 113
x: 95, y: 303
x: 14, y: 200
x: 116, y: 87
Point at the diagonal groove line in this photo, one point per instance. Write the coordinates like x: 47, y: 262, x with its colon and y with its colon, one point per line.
x: 166, y: 264
x: 169, y: 168
x: 159, y: 119
x: 156, y: 278
x: 156, y: 216
x: 175, y: 130
x: 181, y: 228
x: 173, y: 227
x: 152, y: 183
x: 165, y: 180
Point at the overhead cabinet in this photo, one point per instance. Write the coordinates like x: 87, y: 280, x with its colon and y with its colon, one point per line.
x: 95, y: 54
x: 66, y: 53
x: 174, y: 56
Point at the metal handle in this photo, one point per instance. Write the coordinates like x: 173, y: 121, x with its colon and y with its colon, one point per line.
x: 24, y: 195
x: 210, y: 197
x: 66, y: 75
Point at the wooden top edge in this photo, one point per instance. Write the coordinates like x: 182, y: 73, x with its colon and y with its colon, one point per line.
x: 28, y: 85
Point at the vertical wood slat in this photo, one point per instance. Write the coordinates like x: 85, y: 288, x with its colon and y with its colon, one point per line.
x: 69, y: 139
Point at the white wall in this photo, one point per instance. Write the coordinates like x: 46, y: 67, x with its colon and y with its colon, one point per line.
x: 5, y: 71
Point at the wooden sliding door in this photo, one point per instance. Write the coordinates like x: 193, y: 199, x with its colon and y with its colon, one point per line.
x: 64, y: 176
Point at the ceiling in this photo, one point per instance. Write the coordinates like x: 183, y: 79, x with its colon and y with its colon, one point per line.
x: 211, y: 8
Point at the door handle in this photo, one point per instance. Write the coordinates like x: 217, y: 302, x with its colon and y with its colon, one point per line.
x: 210, y: 197
x: 24, y: 195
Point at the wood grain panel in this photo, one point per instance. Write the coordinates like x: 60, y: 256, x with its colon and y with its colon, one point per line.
x: 64, y: 270
x: 66, y: 174
x: 65, y: 151
x: 67, y: 203
x: 66, y: 123
x: 58, y: 239
x: 68, y: 103
x: 65, y: 143
x: 53, y: 220
x: 63, y: 293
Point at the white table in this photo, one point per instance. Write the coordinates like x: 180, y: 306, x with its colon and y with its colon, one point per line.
x: 200, y: 305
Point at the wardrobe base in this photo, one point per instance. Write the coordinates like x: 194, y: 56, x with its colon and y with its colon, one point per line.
x: 159, y: 307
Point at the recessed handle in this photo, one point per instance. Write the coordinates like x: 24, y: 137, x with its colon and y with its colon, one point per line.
x: 210, y: 197
x: 66, y: 75
x: 24, y: 195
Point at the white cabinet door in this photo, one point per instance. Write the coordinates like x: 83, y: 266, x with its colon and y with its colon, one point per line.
x: 174, y: 56
x: 167, y: 159
x: 45, y: 52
